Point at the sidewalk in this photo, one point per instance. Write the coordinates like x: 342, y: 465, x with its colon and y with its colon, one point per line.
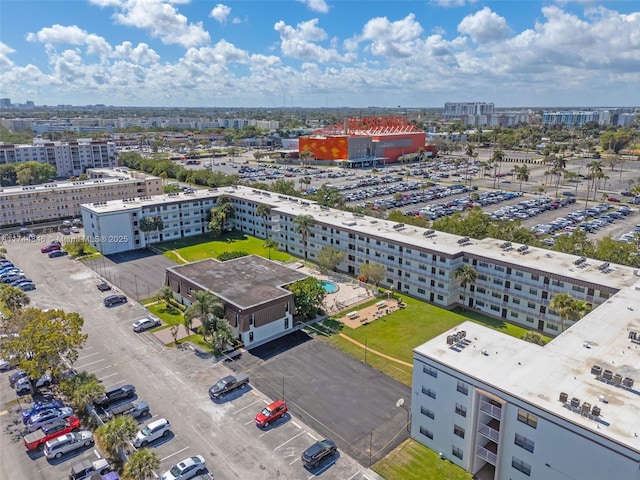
x: 165, y: 337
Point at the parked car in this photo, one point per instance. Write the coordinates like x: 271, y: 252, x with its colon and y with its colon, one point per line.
x: 23, y: 386
x: 67, y: 443
x: 187, y: 468
x: 115, y: 395
x: 38, y: 407
x: 313, y: 455
x: 27, y: 286
x: 104, y: 287
x: 87, y: 469
x: 160, y: 428
x: 50, y: 248
x: 613, y: 199
x: 145, y: 324
x: 58, y: 253
x: 4, y: 365
x: 45, y: 416
x: 228, y: 384
x: 74, y: 230
x: 271, y: 413
x: 15, y: 283
x: 114, y: 300
x: 13, y: 277
x: 15, y: 376
x: 61, y: 426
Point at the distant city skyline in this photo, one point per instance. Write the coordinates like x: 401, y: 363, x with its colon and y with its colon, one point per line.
x: 319, y: 53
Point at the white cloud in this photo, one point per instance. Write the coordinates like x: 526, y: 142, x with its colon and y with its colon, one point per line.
x: 392, y: 39
x: 140, y: 55
x: 299, y: 42
x: 5, y: 51
x: 319, y: 6
x: 220, y: 13
x: 451, y: 3
x: 484, y: 26
x: 161, y: 19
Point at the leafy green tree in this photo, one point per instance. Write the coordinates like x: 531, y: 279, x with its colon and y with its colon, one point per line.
x: 575, y: 244
x: 46, y: 336
x: 117, y: 433
x: 77, y: 247
x: 308, y: 295
x: 330, y: 257
x: 270, y: 244
x: 171, y: 188
x: 284, y: 187
x: 141, y: 464
x: 13, y: 298
x: 328, y: 197
x: 33, y: 173
x: 8, y: 175
x: 466, y: 274
x: 302, y: 225
x: 82, y: 390
x: 533, y: 337
x: 166, y: 295
x: 264, y: 211
x: 373, y: 271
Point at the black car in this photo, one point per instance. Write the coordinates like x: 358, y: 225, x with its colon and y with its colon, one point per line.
x: 58, y: 253
x: 313, y: 455
x: 114, y: 300
x: 115, y: 395
x: 104, y: 287
x: 26, y: 287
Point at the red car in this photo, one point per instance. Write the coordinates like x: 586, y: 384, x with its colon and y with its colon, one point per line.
x: 60, y: 426
x: 50, y: 248
x: 271, y: 413
x: 613, y: 199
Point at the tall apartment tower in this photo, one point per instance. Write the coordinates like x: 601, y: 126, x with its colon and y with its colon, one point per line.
x: 456, y: 110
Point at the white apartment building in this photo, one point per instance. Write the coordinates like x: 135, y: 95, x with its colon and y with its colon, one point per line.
x: 515, y: 282
x: 69, y: 158
x: 459, y: 109
x: 505, y: 409
x: 61, y: 200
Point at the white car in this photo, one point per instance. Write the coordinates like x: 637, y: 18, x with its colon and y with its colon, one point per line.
x: 187, y: 468
x: 145, y: 324
x: 157, y: 429
x: 4, y: 365
x: 74, y: 230
x: 57, y: 447
x: 45, y: 416
x: 23, y: 386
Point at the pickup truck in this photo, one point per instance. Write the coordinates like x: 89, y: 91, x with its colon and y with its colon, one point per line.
x: 135, y: 409
x: 37, y: 439
x: 112, y: 396
x: 86, y: 469
x: 228, y: 384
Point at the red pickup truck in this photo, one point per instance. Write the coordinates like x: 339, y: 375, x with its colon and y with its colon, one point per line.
x: 61, y: 426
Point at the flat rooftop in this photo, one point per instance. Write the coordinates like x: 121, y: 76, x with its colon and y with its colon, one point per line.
x: 617, y: 276
x: 246, y: 281
x: 72, y: 184
x: 539, y: 374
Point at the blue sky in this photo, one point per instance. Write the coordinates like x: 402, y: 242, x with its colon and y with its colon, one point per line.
x: 320, y: 53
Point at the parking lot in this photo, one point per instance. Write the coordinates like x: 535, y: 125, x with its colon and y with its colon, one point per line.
x: 174, y: 382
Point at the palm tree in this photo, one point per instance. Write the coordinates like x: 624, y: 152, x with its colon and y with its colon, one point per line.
x: 141, y: 464
x: 497, y: 158
x: 204, y: 304
x: 13, y: 298
x: 82, y: 390
x: 303, y: 225
x: 465, y: 274
x: 269, y: 244
x: 263, y: 210
x: 117, y: 432
x: 595, y: 171
x: 522, y: 173
x: 568, y: 308
x: 220, y: 331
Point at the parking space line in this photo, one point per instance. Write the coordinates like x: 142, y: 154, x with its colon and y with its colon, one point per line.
x: 294, y: 461
x: 249, y: 422
x: 311, y: 435
x: 299, y: 426
x: 109, y: 387
x: 319, y: 472
x: 110, y: 375
x: 87, y: 356
x: 103, y: 368
x: 92, y: 363
x: 283, y: 444
x: 174, y: 453
x: 244, y: 408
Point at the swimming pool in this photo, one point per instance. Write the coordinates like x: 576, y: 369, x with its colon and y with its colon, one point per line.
x: 329, y: 287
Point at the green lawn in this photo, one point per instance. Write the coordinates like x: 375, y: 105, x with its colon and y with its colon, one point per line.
x: 201, y: 247
x: 413, y: 461
x: 170, y: 316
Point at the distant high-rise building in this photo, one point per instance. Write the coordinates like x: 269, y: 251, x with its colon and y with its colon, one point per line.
x: 457, y: 110
x: 5, y: 103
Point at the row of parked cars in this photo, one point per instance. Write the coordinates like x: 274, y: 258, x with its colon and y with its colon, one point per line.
x: 531, y: 208
x: 54, y: 249
x: 14, y: 276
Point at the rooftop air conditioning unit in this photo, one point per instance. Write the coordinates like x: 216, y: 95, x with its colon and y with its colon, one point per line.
x: 628, y: 382
x: 575, y: 402
x: 596, y: 370
x: 564, y: 397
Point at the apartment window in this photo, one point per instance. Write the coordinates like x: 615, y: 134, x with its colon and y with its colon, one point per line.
x: 531, y: 305
x: 524, y: 442
x: 462, y: 387
x: 535, y: 278
x: 430, y: 371
x: 458, y: 430
x: 521, y: 466
x: 516, y: 301
x: 422, y: 279
x: 498, y: 268
x: 440, y: 297
x: 428, y: 413
x: 457, y: 452
x: 514, y: 314
x: 533, y: 291
x: 497, y: 281
x: 426, y: 433
x: 481, y: 290
x: 517, y: 286
x: 519, y: 274
x: 527, y: 418
x: 461, y: 410
x: 428, y: 392
x: 421, y: 291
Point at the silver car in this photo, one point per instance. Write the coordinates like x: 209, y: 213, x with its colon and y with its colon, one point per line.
x: 157, y: 429
x: 145, y: 324
x: 45, y: 416
x: 57, y: 447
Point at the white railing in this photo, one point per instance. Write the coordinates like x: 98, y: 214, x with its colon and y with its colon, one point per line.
x: 489, y: 432
x: 493, y: 410
x: 485, y: 454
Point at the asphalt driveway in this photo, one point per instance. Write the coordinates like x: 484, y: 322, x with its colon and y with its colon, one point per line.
x: 357, y: 404
x: 138, y: 273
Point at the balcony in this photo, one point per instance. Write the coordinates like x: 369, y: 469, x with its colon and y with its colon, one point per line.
x: 490, y: 433
x: 494, y: 410
x: 488, y: 455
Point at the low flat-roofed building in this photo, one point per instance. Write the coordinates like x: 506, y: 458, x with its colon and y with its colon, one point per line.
x: 252, y: 290
x: 502, y: 408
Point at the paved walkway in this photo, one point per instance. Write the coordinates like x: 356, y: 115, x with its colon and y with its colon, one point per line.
x: 175, y: 252
x: 375, y: 352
